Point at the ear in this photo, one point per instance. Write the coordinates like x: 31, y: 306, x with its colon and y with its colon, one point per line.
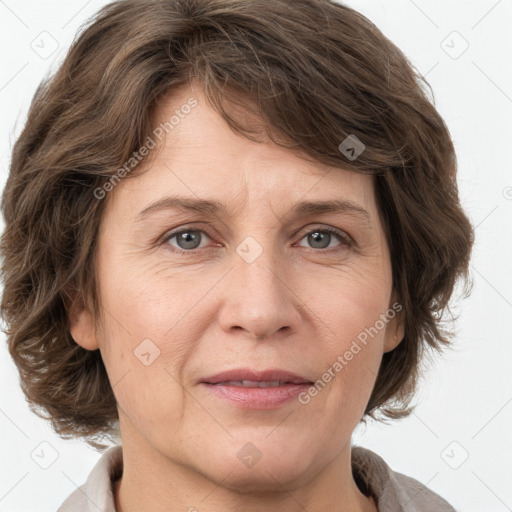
x: 82, y: 325
x: 395, y: 329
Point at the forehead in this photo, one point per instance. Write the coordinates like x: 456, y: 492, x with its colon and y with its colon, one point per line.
x: 200, y: 157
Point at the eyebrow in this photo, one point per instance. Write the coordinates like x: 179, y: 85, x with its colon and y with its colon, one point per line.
x: 216, y: 208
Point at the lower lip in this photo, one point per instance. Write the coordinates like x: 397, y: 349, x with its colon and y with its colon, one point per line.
x: 257, y: 398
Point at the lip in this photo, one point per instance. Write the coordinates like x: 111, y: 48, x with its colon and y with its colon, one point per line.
x: 221, y: 386
x: 272, y: 374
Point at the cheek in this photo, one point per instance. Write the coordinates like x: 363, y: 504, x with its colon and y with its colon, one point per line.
x: 349, y: 306
x: 350, y: 314
x: 142, y: 303
x: 145, y: 341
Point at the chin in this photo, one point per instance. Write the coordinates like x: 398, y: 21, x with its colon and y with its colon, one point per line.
x: 250, y: 470
x: 261, y: 479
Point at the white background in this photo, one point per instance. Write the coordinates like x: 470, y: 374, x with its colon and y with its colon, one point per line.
x: 465, y: 404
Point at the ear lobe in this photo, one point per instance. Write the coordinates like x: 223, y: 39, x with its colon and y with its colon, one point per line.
x: 394, y: 337
x: 395, y: 330
x: 82, y: 326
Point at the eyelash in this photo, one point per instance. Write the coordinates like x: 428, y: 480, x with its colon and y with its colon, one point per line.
x: 346, y: 240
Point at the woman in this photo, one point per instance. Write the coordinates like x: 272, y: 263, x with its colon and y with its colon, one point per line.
x: 231, y: 231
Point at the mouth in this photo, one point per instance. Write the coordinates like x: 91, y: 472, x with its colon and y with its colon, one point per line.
x: 246, y: 377
x: 254, y: 383
x: 251, y: 389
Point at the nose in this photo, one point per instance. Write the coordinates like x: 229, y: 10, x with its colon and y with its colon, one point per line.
x: 259, y: 299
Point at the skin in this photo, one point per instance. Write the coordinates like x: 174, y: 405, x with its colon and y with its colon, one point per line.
x: 208, y: 311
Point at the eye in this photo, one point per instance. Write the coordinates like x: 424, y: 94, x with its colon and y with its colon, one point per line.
x: 187, y: 240
x: 321, y: 238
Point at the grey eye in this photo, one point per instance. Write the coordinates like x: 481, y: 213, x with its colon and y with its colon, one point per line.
x: 319, y: 239
x: 187, y: 240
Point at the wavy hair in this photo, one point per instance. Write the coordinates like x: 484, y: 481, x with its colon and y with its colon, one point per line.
x: 315, y: 71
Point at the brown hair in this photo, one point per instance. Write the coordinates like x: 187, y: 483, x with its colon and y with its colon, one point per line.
x: 315, y: 71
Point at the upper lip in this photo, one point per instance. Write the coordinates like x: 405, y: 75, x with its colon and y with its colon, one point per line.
x: 274, y: 374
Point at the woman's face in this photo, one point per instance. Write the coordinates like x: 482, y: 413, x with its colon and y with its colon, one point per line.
x: 247, y: 286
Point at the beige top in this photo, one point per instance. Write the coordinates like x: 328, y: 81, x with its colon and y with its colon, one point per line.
x: 392, y: 491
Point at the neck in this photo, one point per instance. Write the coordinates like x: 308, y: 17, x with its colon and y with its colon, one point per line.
x: 153, y: 481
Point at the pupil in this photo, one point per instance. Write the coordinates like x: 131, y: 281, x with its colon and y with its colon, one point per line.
x: 317, y: 237
x: 189, y: 239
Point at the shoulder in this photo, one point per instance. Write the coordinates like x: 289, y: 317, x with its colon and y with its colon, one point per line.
x: 96, y: 493
x: 393, y: 491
